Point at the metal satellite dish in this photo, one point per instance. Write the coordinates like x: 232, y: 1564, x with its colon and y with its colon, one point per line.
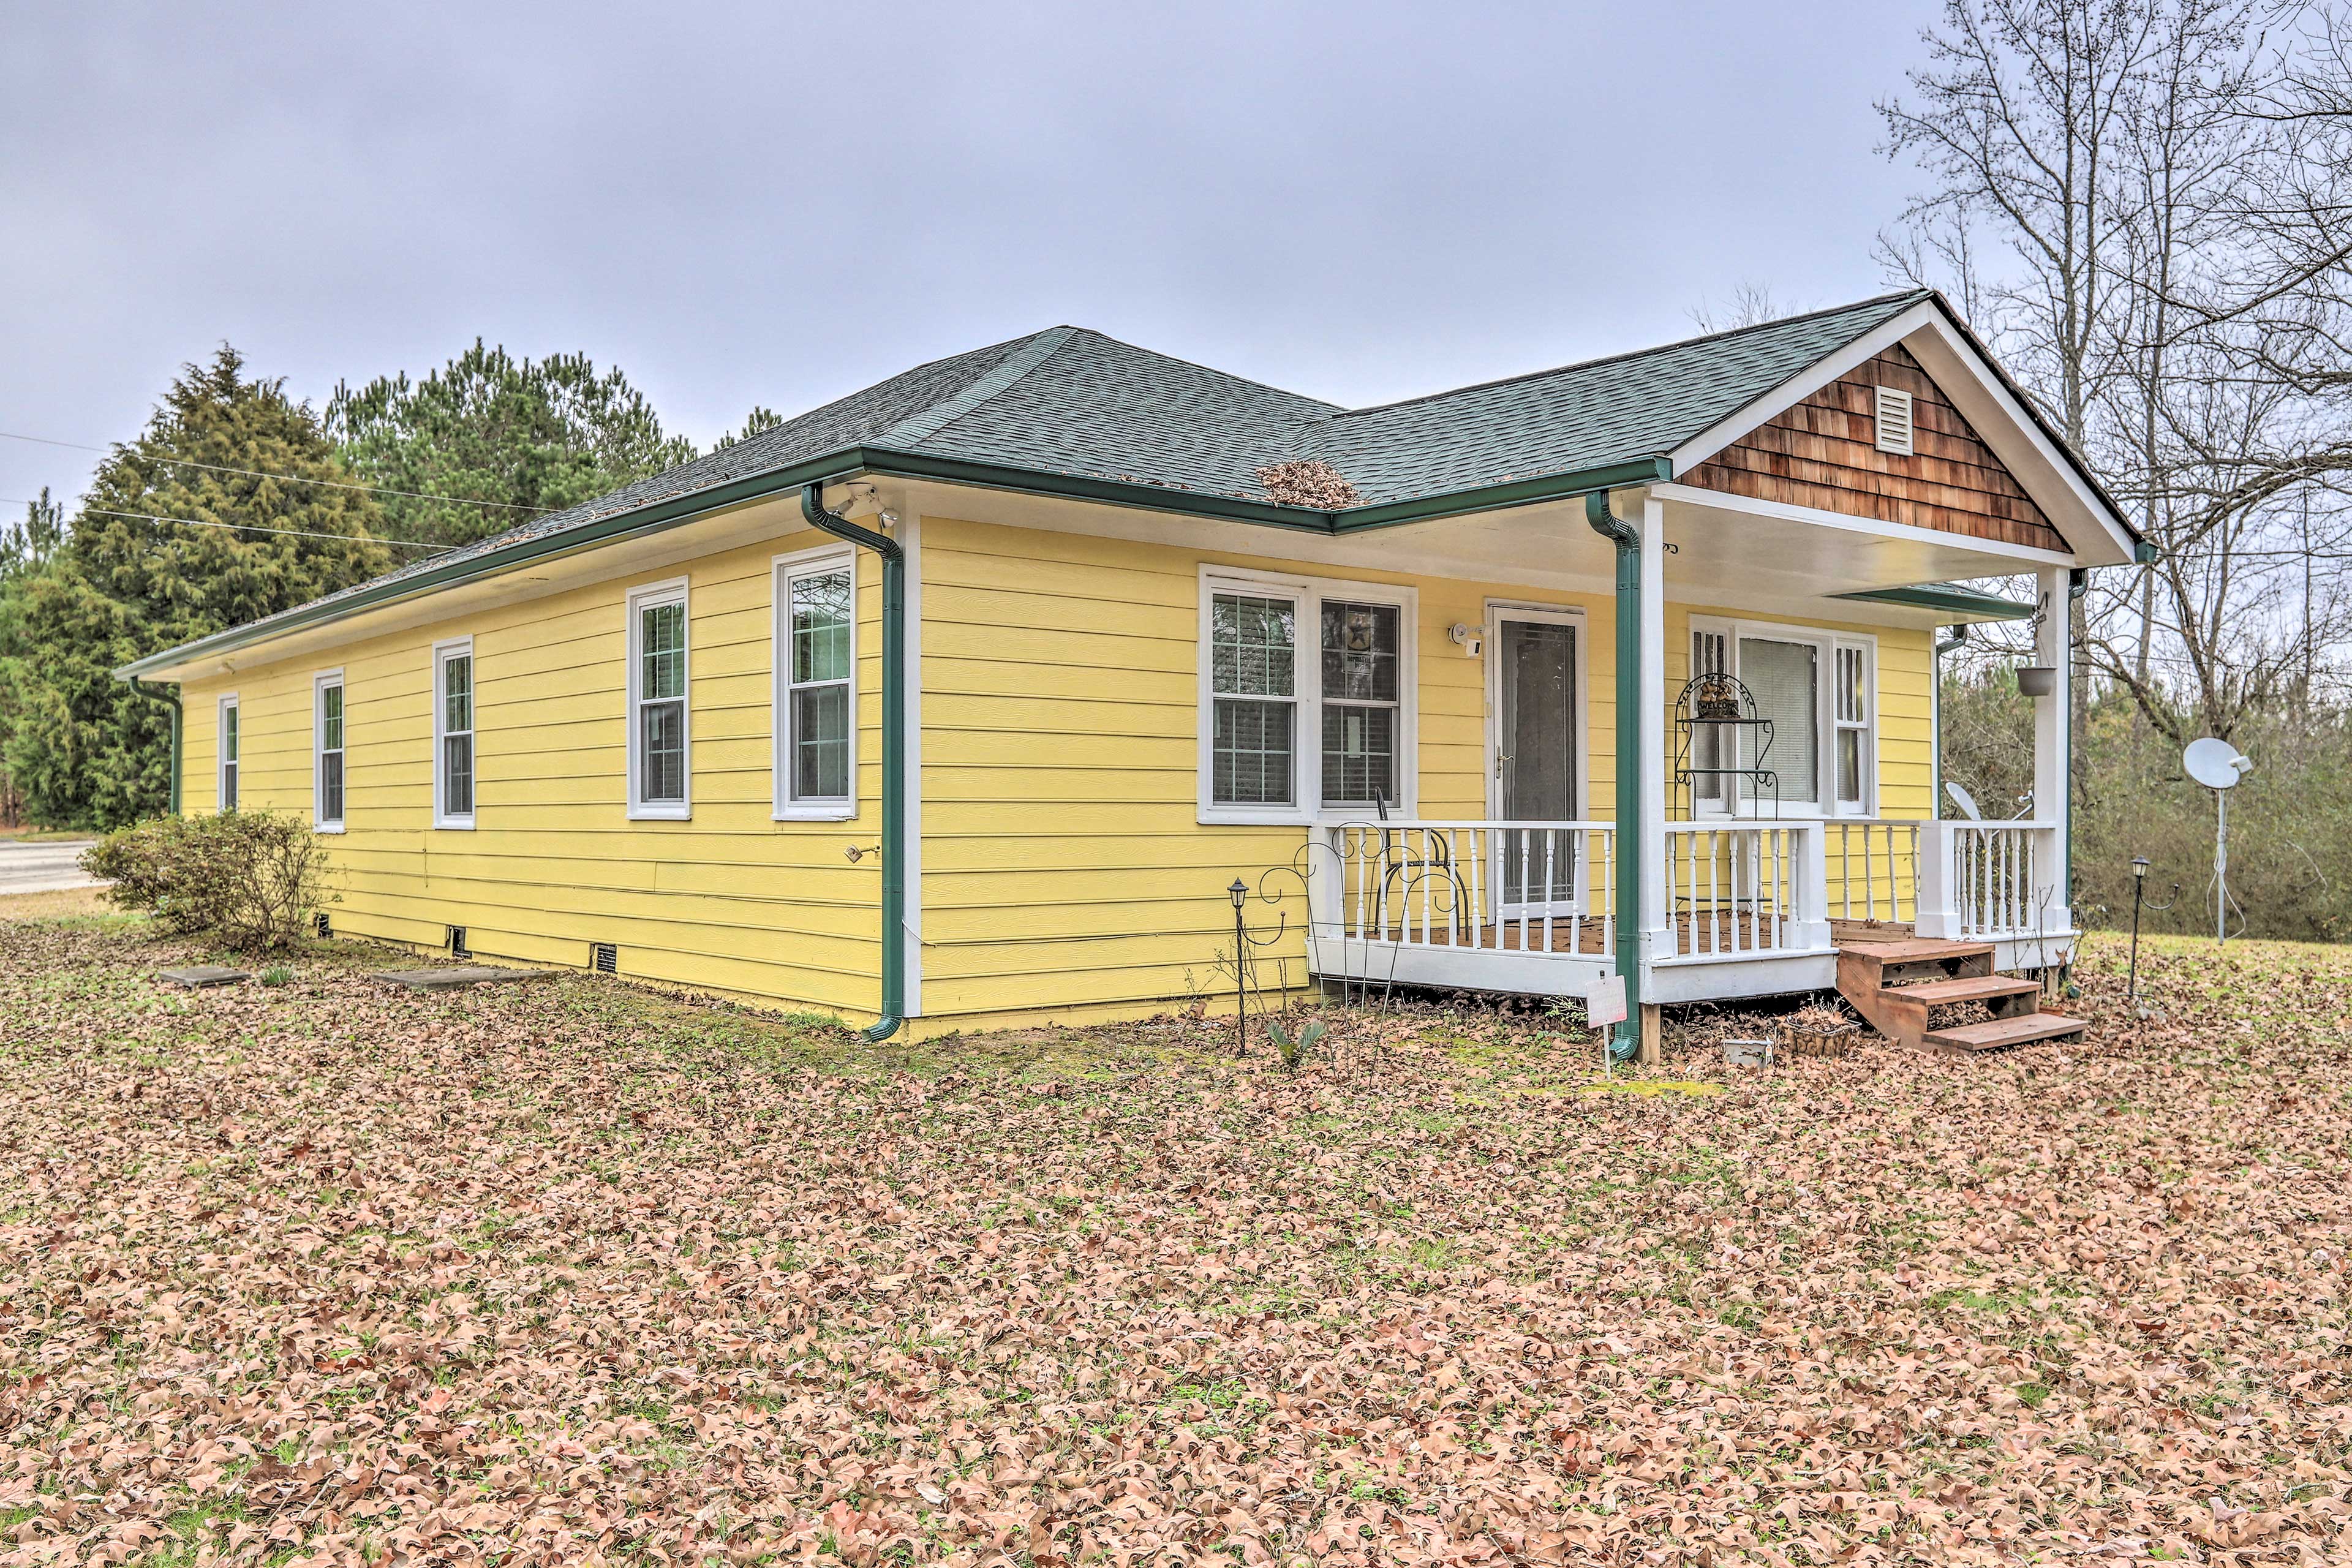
x: 1964, y: 800
x: 2214, y: 763
x: 2218, y: 765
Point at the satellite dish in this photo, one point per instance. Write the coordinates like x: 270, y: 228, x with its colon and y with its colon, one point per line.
x: 2216, y: 765
x: 1964, y: 800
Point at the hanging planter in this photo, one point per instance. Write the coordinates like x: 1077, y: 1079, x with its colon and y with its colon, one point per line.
x: 2037, y: 680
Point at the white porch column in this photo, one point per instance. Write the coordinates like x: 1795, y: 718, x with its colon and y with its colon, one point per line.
x: 2053, y: 796
x: 1656, y: 936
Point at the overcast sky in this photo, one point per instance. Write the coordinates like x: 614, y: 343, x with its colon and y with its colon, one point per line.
x: 778, y: 204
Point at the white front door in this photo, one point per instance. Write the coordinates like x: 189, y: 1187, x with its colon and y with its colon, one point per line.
x: 1535, y: 728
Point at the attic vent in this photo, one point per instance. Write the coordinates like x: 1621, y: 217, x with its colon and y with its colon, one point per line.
x: 1894, y: 421
x: 605, y: 958
x: 320, y: 925
x: 458, y: 948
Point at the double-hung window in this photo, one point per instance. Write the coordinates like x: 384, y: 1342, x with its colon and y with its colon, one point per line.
x: 453, y: 733
x: 1814, y: 688
x: 327, y: 746
x: 227, y: 784
x: 658, y: 774
x: 816, y: 685
x: 1291, y: 726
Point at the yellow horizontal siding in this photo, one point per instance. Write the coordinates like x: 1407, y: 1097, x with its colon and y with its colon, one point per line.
x: 730, y: 900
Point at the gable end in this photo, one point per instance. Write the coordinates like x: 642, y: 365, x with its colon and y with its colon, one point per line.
x: 1824, y: 453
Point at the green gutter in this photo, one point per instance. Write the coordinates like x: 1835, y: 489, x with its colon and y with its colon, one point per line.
x: 1946, y: 600
x: 894, y: 749
x: 1630, y: 764
x: 677, y: 510
x: 173, y: 700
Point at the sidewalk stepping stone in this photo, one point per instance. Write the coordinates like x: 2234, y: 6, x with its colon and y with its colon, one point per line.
x: 450, y: 979
x: 198, y: 976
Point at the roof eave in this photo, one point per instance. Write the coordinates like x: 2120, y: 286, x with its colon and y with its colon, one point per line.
x: 1963, y: 603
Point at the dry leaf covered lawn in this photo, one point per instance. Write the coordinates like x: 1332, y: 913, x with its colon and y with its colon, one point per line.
x: 316, y: 1272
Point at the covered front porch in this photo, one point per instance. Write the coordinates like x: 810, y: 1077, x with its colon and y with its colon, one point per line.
x: 1696, y: 876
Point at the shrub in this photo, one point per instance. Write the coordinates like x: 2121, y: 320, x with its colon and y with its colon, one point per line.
x: 249, y: 877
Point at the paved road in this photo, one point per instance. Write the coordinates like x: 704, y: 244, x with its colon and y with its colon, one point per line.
x: 40, y: 868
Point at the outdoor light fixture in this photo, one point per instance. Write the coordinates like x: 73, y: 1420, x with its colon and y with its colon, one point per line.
x: 1239, y: 893
x: 2139, y: 866
x: 2139, y: 891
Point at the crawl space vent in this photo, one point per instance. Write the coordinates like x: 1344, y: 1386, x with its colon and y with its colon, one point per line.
x: 458, y: 948
x: 605, y: 957
x: 320, y: 925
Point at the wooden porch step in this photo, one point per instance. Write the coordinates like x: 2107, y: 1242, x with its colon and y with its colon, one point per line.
x: 1970, y: 988
x: 1999, y: 1034
x: 1917, y: 950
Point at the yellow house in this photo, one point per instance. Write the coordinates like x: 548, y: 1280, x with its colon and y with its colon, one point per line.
x: 966, y: 699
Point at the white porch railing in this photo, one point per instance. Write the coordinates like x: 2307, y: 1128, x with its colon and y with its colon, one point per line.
x: 1991, y: 880
x: 1519, y: 887
x: 1743, y: 890
x: 1873, y: 869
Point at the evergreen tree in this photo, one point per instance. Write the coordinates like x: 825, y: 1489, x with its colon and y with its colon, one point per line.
x: 85, y: 750
x: 504, y: 439
x: 761, y: 418
x: 25, y: 549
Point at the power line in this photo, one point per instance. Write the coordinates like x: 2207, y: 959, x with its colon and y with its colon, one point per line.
x: 254, y: 528
x: 289, y: 479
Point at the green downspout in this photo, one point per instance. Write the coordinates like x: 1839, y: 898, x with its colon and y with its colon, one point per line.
x: 1628, y: 540
x: 1936, y: 707
x: 894, y: 750
x: 172, y: 698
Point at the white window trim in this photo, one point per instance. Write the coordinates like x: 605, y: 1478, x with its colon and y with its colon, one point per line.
x: 442, y: 653
x: 808, y: 563
x: 1306, y: 741
x: 221, y: 711
x: 319, y: 684
x: 1825, y: 724
x: 646, y: 594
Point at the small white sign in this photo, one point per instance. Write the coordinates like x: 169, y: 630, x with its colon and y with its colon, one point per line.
x: 1605, y: 1003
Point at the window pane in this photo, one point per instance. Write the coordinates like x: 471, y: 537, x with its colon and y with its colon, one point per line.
x: 457, y: 775
x: 661, y: 760
x: 663, y: 629
x: 821, y: 743
x: 1252, y: 646
x: 1358, y: 755
x: 1851, y: 686
x: 1707, y: 739
x: 1849, y: 765
x: 457, y: 693
x: 331, y: 787
x: 330, y: 719
x: 229, y: 786
x: 1250, y: 756
x: 1359, y: 654
x: 1780, y: 677
x: 228, y: 734
x: 821, y: 613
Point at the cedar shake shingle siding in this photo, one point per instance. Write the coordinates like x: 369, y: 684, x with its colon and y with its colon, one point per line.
x: 1823, y: 453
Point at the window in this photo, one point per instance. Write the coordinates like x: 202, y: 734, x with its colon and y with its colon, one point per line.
x: 229, y: 753
x: 453, y: 733
x: 1853, y: 726
x: 1255, y: 656
x: 1360, y: 704
x: 657, y: 716
x: 1894, y: 421
x: 1285, y: 731
x: 1816, y: 689
x: 327, y: 763
x: 816, y: 685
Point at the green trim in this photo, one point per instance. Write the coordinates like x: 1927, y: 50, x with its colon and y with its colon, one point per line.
x: 894, y: 749
x: 1495, y: 497
x: 2146, y: 554
x: 679, y: 509
x: 1630, y: 855
x: 1948, y: 601
x: 173, y: 700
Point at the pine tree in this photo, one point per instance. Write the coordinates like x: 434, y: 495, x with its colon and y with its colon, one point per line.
x: 26, y: 549
x: 220, y: 449
x: 502, y: 439
x: 761, y: 417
